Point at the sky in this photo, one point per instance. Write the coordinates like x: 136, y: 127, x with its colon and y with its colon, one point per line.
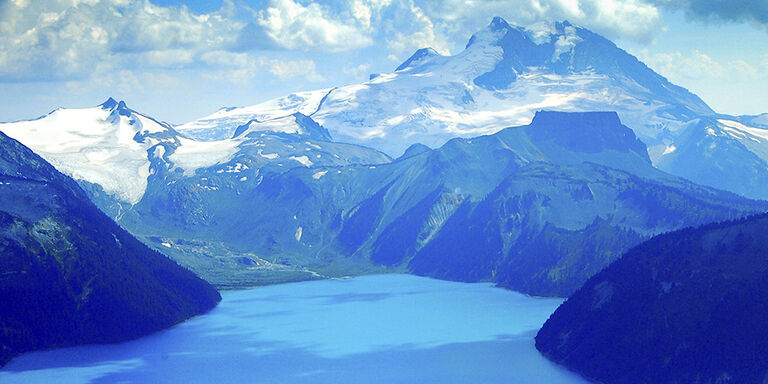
x: 177, y: 60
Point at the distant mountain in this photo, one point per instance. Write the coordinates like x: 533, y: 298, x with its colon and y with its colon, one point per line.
x: 543, y: 206
x: 725, y: 152
x: 504, y: 75
x: 538, y: 208
x: 113, y: 151
x: 70, y: 275
x: 109, y: 145
x: 684, y: 307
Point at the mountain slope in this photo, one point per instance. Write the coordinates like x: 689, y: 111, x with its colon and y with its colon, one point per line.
x: 566, y: 181
x: 109, y: 145
x: 721, y: 152
x: 547, y: 228
x: 70, y: 275
x: 683, y: 307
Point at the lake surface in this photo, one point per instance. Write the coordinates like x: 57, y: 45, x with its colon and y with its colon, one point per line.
x: 371, y: 329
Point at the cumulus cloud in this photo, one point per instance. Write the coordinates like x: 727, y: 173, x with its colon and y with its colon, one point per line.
x: 61, y: 39
x: 419, y: 32
x: 292, y: 25
x: 286, y: 69
x: 716, y: 80
x: 678, y: 65
x: 684, y: 68
x: 360, y: 71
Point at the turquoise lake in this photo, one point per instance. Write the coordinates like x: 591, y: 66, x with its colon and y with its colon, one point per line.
x: 371, y: 329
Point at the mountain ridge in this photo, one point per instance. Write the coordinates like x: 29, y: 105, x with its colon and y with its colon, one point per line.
x: 72, y: 276
x: 684, y: 306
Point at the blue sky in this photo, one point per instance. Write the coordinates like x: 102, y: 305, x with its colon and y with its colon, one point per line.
x: 178, y: 60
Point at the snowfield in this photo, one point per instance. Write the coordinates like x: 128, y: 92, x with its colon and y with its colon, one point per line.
x: 103, y: 145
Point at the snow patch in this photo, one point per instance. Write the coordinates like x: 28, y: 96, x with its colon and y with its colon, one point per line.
x: 318, y: 175
x: 225, y: 121
x: 299, y: 232
x: 315, y: 146
x: 304, y: 160
x: 270, y: 156
x: 238, y: 167
x: 540, y: 32
x: 565, y: 42
x: 731, y: 125
x: 192, y: 155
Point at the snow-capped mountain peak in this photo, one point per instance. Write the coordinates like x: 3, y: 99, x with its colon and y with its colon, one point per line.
x: 111, y: 104
x: 505, y: 74
x: 108, y: 145
x: 418, y: 58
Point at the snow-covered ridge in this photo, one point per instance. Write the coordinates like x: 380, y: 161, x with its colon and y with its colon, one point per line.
x: 505, y: 74
x: 223, y: 123
x: 105, y: 145
x: 740, y: 130
x: 113, y: 146
x: 120, y: 149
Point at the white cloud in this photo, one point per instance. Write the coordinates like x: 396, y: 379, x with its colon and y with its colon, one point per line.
x: 696, y: 65
x: 168, y: 58
x: 220, y: 58
x: 70, y: 39
x: 679, y: 66
x: 59, y: 39
x: 295, y: 26
x: 715, y: 81
x: 635, y: 19
x: 235, y: 67
x: 418, y: 31
x: 127, y: 81
x: 73, y: 39
x: 742, y: 68
x: 358, y: 71
x: 286, y: 69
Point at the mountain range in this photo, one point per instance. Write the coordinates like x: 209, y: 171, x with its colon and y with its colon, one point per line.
x: 304, y: 186
x: 504, y: 75
x: 543, y: 206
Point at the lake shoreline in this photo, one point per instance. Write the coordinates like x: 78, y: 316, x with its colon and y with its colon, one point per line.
x: 376, y: 328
